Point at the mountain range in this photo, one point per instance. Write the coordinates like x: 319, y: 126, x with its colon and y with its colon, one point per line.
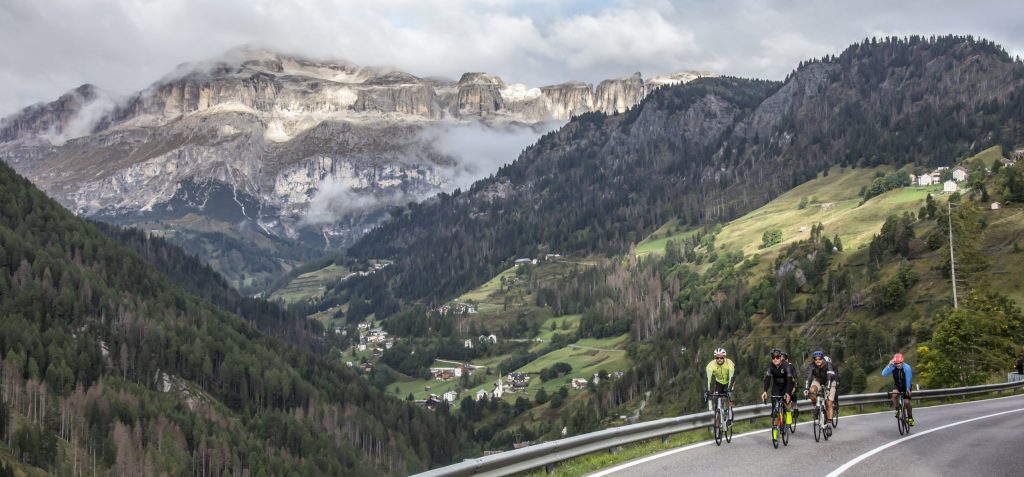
x: 286, y: 153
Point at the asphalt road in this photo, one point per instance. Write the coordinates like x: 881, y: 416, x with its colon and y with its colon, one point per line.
x: 964, y: 439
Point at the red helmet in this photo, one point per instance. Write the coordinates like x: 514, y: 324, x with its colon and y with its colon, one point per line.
x: 897, y: 358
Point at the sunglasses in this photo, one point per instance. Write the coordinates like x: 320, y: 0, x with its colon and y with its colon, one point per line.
x: 819, y: 359
x: 720, y: 358
x: 776, y: 357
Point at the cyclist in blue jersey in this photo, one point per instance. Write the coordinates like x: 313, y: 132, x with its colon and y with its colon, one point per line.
x: 902, y: 377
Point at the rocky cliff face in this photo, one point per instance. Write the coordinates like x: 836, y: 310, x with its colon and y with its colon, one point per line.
x: 309, y: 144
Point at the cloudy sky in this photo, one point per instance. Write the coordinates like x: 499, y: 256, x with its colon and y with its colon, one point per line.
x: 122, y: 46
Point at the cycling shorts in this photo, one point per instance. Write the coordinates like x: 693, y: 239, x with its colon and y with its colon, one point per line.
x: 717, y: 387
x: 815, y: 384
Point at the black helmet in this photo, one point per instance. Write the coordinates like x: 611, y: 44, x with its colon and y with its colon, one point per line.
x: 774, y: 353
x: 785, y: 355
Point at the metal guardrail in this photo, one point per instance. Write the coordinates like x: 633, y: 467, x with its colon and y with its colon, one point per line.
x: 548, y: 453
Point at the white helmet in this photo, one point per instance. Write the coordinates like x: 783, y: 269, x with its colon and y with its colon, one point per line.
x: 719, y: 352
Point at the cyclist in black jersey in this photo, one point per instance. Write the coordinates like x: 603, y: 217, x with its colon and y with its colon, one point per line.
x: 792, y: 391
x: 777, y: 378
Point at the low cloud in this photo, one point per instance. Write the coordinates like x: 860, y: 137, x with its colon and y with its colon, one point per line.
x: 334, y: 200
x: 481, y: 149
x: 477, y: 149
x: 82, y: 124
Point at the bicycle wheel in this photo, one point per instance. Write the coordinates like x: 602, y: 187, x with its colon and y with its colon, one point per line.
x: 903, y: 420
x: 901, y: 417
x: 784, y: 430
x: 717, y: 429
x: 792, y: 423
x: 775, y: 428
x: 817, y: 424
x: 835, y: 412
x: 728, y: 433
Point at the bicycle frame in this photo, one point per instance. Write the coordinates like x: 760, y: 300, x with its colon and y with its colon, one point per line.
x: 822, y: 424
x: 901, y: 414
x: 720, y: 404
x: 778, y: 425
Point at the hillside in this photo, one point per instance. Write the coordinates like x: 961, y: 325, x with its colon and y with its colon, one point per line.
x: 106, y: 363
x: 704, y: 152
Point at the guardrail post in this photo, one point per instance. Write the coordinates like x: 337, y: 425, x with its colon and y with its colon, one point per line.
x: 550, y: 468
x: 664, y: 439
x: 616, y: 449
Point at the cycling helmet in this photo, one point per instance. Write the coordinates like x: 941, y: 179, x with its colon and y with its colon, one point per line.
x: 785, y: 355
x: 897, y: 358
x: 775, y: 353
x: 719, y: 352
x: 817, y: 354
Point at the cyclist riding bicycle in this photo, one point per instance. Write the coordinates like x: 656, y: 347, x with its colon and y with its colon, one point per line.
x: 777, y: 378
x: 821, y: 375
x: 721, y: 378
x: 792, y: 391
x: 902, y: 376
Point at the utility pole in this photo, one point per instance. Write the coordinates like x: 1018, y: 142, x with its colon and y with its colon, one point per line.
x: 952, y: 261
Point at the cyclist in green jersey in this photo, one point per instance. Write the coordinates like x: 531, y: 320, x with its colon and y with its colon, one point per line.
x: 721, y: 377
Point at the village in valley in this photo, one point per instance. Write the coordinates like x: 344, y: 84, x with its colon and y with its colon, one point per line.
x: 483, y: 379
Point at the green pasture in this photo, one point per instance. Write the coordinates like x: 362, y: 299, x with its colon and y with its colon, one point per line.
x: 309, y: 285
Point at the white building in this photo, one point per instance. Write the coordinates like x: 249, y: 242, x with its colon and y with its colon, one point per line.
x: 499, y: 389
x: 468, y: 344
x: 924, y: 179
x: 959, y: 174
x: 450, y: 396
x: 481, y: 394
x: 949, y: 186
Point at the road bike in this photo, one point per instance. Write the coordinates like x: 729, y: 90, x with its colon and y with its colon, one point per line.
x: 723, y: 424
x: 822, y: 425
x: 780, y: 432
x: 901, y: 415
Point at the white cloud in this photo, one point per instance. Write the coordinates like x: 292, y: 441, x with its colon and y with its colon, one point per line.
x: 481, y: 149
x: 334, y: 200
x: 86, y: 118
x: 603, y: 40
x: 124, y: 45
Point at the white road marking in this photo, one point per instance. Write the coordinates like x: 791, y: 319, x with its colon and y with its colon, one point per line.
x: 846, y: 466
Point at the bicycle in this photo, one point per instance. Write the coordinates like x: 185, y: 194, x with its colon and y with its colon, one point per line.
x: 722, y: 426
x: 901, y: 415
x: 822, y: 425
x: 780, y: 431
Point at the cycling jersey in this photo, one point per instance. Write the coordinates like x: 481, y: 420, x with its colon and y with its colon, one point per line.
x: 720, y: 373
x: 901, y: 376
x: 792, y: 372
x: 823, y: 374
x: 779, y: 379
